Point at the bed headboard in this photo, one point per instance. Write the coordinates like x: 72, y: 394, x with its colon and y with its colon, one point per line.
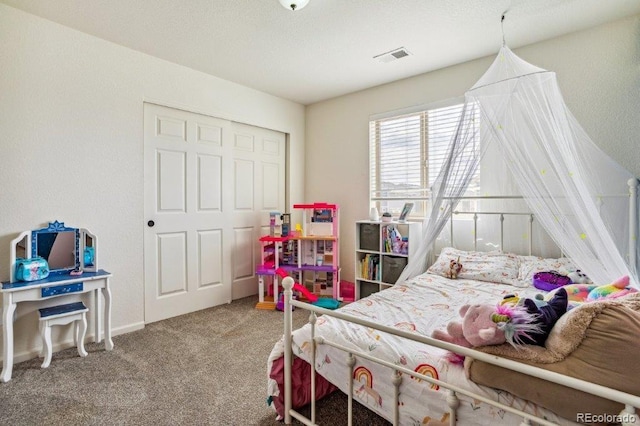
x: 485, y: 223
x: 496, y: 223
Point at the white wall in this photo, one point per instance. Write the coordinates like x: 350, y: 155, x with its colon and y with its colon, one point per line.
x: 71, y: 143
x: 599, y: 74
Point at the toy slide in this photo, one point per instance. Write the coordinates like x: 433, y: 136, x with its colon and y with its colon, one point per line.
x: 297, y: 287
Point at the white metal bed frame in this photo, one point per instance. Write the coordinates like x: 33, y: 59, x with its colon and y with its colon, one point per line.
x: 627, y: 417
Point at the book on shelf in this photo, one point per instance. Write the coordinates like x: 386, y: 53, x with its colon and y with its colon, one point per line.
x: 370, y: 267
x: 392, y: 240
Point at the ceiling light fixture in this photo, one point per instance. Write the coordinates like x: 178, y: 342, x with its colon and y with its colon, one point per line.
x: 293, y: 4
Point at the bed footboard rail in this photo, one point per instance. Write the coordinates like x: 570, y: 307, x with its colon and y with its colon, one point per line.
x: 628, y: 416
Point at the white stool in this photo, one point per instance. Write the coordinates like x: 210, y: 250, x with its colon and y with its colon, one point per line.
x: 62, y: 315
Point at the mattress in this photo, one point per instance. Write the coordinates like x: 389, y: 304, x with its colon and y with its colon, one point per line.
x: 421, y: 305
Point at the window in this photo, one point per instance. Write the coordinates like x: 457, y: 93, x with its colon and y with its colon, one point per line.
x: 407, y: 153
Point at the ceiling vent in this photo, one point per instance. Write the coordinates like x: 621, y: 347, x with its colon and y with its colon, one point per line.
x: 393, y: 55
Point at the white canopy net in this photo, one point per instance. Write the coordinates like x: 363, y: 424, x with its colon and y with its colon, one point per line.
x: 577, y: 193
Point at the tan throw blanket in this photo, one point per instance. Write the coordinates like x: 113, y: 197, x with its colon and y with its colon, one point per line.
x: 598, y: 342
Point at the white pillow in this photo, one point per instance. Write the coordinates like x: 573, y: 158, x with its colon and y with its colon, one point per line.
x: 491, y: 266
x: 530, y: 265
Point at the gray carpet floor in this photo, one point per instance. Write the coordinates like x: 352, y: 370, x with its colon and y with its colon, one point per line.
x: 204, y: 368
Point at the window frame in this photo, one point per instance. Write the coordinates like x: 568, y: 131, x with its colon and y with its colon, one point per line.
x: 420, y: 210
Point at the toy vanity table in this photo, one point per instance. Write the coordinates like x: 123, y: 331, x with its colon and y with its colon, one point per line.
x: 67, y: 251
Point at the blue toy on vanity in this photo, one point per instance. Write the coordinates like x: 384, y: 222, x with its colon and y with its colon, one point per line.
x: 32, y: 269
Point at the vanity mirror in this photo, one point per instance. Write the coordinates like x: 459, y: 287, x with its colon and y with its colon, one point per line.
x: 58, y: 245
x: 65, y: 249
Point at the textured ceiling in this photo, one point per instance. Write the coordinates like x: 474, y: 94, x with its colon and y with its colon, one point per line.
x: 327, y: 48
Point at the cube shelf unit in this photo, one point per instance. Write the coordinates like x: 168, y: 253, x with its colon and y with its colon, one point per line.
x: 383, y: 249
x: 310, y: 256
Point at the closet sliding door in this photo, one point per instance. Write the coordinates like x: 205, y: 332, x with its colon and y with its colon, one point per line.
x: 209, y: 187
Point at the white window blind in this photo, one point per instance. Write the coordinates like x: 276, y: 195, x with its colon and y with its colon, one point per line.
x: 407, y: 153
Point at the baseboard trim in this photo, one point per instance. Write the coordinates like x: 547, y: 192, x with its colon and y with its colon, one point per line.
x: 127, y: 328
x: 69, y: 343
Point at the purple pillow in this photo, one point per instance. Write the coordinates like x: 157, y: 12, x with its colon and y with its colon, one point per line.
x: 550, y: 280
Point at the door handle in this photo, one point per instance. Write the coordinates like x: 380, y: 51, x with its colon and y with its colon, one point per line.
x: 150, y: 224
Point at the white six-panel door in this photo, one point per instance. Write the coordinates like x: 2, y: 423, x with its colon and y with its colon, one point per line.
x: 209, y: 186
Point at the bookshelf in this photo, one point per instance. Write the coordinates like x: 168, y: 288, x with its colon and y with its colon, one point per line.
x: 383, y: 249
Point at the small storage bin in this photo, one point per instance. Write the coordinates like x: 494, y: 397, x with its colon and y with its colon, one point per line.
x: 369, y: 236
x: 367, y: 289
x: 392, y: 267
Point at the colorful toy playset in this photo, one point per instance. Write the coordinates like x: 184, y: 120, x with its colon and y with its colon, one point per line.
x: 323, y: 302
